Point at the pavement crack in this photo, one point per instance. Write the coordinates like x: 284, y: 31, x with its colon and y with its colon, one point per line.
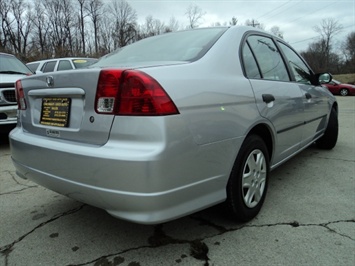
x: 198, y: 249
x: 336, y: 159
x: 297, y: 224
x: 17, y: 190
x: 326, y: 225
x: 222, y: 230
x: 6, y: 250
x: 18, y: 183
x: 101, y: 260
x: 13, y: 177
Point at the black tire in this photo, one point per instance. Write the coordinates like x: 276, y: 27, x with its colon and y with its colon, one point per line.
x: 344, y: 92
x: 241, y: 205
x: 330, y: 137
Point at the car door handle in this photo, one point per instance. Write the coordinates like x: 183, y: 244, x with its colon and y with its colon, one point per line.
x: 308, y: 96
x: 268, y: 98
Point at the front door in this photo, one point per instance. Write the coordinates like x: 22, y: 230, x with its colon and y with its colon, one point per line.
x: 278, y: 99
x: 315, y: 101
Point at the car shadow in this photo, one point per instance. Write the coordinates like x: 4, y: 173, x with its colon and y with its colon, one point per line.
x: 4, y: 134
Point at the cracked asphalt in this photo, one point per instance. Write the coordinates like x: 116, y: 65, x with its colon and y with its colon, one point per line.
x: 308, y: 219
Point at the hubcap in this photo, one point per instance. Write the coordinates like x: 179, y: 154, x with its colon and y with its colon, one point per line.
x: 254, y: 178
x: 344, y: 92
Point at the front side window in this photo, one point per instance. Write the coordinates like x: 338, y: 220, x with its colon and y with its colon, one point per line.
x: 299, y: 69
x: 268, y: 57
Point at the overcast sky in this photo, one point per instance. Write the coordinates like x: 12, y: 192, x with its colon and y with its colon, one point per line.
x: 296, y: 18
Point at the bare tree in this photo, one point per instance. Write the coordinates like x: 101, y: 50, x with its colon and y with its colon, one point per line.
x: 23, y: 23
x: 125, y: 22
x: 233, y: 22
x: 277, y: 32
x: 40, y: 47
x: 6, y: 22
x: 61, y: 22
x: 194, y: 14
x: 327, y: 30
x: 348, y: 48
x: 107, y: 38
x: 94, y: 9
x: 151, y: 27
x: 81, y: 22
x: 173, y: 25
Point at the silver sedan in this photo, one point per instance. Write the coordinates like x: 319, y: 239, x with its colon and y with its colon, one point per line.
x: 173, y: 124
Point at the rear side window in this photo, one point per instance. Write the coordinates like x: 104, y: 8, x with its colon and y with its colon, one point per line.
x: 49, y: 66
x: 299, y: 69
x: 64, y: 65
x: 268, y: 58
x: 250, y: 66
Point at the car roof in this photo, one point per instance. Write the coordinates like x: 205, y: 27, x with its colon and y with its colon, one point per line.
x: 60, y: 58
x: 1, y: 53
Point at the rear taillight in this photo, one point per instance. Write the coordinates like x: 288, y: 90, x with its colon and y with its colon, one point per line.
x: 107, y: 91
x: 20, y: 96
x: 131, y: 92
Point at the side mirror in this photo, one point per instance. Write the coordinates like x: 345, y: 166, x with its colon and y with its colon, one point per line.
x: 324, y: 77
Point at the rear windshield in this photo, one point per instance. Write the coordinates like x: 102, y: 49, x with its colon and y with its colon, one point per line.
x: 177, y: 46
x: 84, y: 62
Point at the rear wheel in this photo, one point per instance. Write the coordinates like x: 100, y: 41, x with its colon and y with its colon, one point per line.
x: 344, y: 92
x: 330, y: 137
x: 248, y: 181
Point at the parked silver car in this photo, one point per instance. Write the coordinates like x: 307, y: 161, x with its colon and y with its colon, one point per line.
x: 11, y: 69
x: 173, y: 124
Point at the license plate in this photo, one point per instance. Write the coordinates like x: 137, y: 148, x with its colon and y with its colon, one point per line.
x: 55, y: 111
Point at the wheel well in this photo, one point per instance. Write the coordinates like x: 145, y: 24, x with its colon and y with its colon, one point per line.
x: 264, y: 132
x: 343, y: 89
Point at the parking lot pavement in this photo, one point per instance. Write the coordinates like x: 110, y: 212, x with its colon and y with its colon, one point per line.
x: 308, y: 219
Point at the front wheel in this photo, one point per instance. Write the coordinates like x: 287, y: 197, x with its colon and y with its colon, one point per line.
x: 248, y: 181
x: 344, y: 92
x: 330, y: 137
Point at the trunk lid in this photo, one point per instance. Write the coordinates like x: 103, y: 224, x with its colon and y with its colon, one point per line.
x: 61, y: 105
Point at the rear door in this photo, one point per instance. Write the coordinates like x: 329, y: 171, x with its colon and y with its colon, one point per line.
x: 277, y: 98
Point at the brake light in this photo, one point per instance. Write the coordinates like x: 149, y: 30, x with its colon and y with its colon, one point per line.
x: 20, y: 96
x: 131, y: 92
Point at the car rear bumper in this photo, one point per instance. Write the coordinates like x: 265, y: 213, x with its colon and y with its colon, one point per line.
x: 143, y: 186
